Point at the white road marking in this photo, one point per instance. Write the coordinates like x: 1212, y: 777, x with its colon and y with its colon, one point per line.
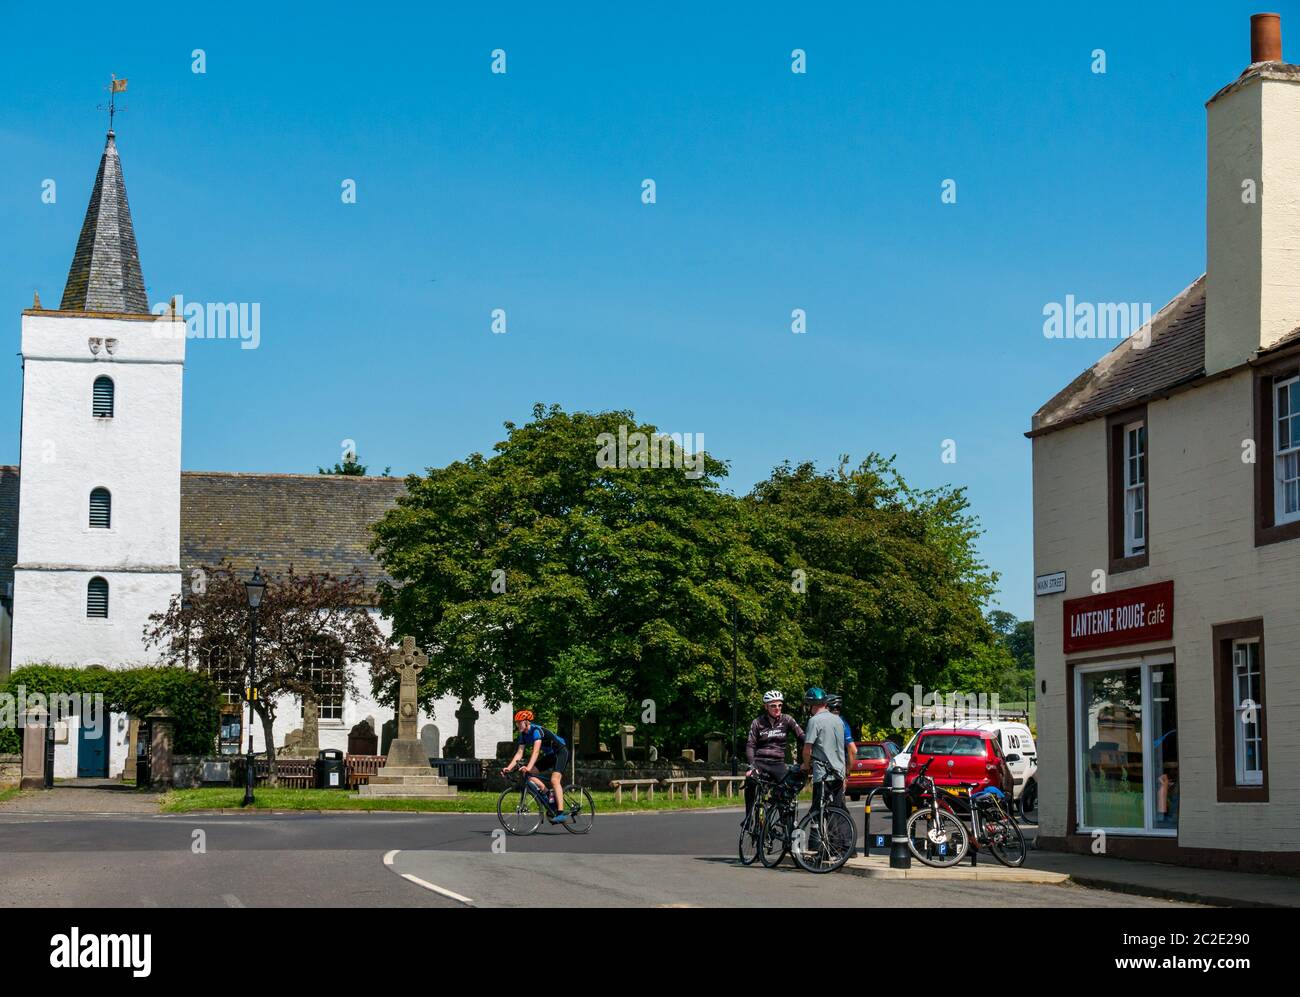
x: 438, y: 889
x: 232, y: 900
x: 388, y: 861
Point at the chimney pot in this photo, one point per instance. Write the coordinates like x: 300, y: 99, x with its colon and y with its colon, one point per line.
x: 1265, y: 38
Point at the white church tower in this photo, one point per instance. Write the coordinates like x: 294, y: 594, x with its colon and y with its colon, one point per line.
x: 100, y: 476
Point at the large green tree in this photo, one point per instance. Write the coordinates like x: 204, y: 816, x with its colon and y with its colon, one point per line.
x: 540, y: 576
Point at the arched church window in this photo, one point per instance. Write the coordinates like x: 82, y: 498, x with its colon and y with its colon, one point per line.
x: 97, y: 598
x: 101, y: 509
x: 102, y: 406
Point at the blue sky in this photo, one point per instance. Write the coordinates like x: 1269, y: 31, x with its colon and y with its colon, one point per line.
x: 522, y: 191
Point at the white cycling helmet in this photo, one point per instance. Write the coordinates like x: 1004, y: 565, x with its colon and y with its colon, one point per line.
x: 773, y: 696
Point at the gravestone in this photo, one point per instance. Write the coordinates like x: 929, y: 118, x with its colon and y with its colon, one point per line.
x: 406, y: 772
x: 429, y: 738
x: 466, y: 716
x: 588, y: 736
x: 310, y: 743
x: 362, y: 739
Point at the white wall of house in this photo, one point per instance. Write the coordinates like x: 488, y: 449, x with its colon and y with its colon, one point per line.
x: 1201, y: 509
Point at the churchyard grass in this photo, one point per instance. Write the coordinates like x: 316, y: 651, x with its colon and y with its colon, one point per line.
x: 9, y: 793
x: 187, y: 800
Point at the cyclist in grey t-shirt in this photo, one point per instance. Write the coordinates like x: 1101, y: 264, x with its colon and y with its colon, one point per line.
x: 823, y: 745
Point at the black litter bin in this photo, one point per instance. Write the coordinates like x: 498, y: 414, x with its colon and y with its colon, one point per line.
x: 331, y: 772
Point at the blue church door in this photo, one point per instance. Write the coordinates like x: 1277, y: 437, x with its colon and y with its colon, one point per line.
x: 92, y: 752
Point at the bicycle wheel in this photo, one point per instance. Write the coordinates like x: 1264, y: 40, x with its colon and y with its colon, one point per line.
x: 940, y: 843
x: 581, y: 809
x: 1006, y: 841
x: 827, y: 843
x: 773, y: 845
x: 751, y: 835
x: 521, y: 816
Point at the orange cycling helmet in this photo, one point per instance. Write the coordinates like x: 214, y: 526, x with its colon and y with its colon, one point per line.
x: 524, y: 715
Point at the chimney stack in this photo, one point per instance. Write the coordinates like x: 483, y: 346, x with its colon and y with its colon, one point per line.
x: 1253, y: 205
x: 1265, y: 38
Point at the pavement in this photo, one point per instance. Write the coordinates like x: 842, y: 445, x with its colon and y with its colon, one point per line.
x: 107, y: 845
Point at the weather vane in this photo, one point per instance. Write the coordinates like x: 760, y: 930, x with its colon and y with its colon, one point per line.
x: 115, y: 87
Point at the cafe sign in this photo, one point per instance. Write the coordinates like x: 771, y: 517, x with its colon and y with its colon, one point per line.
x: 1130, y: 616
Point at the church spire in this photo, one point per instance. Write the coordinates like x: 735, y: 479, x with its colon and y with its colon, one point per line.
x: 105, y: 274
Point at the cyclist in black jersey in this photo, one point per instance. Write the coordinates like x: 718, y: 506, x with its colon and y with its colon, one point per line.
x: 549, y: 753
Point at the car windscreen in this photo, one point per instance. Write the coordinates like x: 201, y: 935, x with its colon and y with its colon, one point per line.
x: 951, y: 744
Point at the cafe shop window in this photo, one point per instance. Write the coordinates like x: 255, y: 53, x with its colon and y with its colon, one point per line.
x: 1128, y: 493
x: 1126, y: 747
x: 1241, y: 727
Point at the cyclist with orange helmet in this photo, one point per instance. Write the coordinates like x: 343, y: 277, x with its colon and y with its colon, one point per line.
x: 549, y: 753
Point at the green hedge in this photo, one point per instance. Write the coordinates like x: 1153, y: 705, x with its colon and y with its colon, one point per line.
x: 192, y: 698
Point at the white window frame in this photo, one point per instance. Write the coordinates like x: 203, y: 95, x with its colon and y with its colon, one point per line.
x: 1281, y: 455
x: 1135, y: 491
x: 329, y: 706
x: 1245, y: 776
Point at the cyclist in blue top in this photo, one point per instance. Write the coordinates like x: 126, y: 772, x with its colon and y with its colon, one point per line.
x: 835, y: 703
x: 549, y: 752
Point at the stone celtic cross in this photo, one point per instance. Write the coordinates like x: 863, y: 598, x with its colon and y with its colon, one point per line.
x: 408, y: 661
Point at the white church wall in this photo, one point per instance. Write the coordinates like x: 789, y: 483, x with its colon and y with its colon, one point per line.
x: 51, y: 626
x: 67, y: 452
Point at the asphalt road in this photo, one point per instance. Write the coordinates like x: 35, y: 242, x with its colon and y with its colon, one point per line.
x: 679, y: 858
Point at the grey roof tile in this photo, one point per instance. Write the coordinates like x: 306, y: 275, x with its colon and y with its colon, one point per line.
x: 105, y: 274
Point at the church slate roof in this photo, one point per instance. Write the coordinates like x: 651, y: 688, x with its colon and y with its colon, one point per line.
x: 8, y: 528
x: 105, y: 274
x: 310, y: 522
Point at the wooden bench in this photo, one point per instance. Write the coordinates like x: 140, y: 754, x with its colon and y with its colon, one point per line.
x: 362, y: 767
x: 636, y: 784
x: 730, y: 780
x: 686, y: 783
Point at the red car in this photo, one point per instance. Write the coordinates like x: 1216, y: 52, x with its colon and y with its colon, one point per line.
x: 962, y: 757
x: 869, y: 770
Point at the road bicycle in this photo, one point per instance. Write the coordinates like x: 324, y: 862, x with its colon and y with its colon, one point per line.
x: 523, y: 806
x: 936, y: 833
x: 821, y: 841
x: 751, y: 828
x: 825, y: 837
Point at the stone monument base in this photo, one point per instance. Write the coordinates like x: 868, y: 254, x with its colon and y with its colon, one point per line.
x: 407, y: 782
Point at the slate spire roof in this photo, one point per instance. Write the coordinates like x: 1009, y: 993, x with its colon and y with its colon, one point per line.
x: 105, y: 273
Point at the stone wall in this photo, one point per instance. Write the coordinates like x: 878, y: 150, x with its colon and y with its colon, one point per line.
x: 11, y: 769
x: 598, y: 775
x: 187, y: 770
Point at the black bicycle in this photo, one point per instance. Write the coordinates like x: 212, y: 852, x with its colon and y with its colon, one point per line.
x: 936, y: 833
x: 522, y: 808
x: 777, y: 836
x: 824, y: 839
x: 751, y: 828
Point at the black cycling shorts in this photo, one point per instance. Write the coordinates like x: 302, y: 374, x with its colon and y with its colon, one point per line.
x: 557, y: 762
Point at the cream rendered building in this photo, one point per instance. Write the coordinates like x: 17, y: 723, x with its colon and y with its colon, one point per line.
x: 1168, y: 477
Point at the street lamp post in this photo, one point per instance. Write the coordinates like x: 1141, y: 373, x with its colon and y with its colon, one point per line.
x: 735, y: 760
x: 256, y: 588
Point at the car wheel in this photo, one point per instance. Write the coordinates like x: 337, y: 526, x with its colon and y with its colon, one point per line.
x: 855, y: 797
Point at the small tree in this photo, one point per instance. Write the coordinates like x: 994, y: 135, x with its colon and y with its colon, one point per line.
x: 304, y: 619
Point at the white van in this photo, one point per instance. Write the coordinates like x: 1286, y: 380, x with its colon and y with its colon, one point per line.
x: 1016, y: 742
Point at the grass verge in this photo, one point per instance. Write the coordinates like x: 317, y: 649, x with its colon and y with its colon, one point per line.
x: 187, y: 800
